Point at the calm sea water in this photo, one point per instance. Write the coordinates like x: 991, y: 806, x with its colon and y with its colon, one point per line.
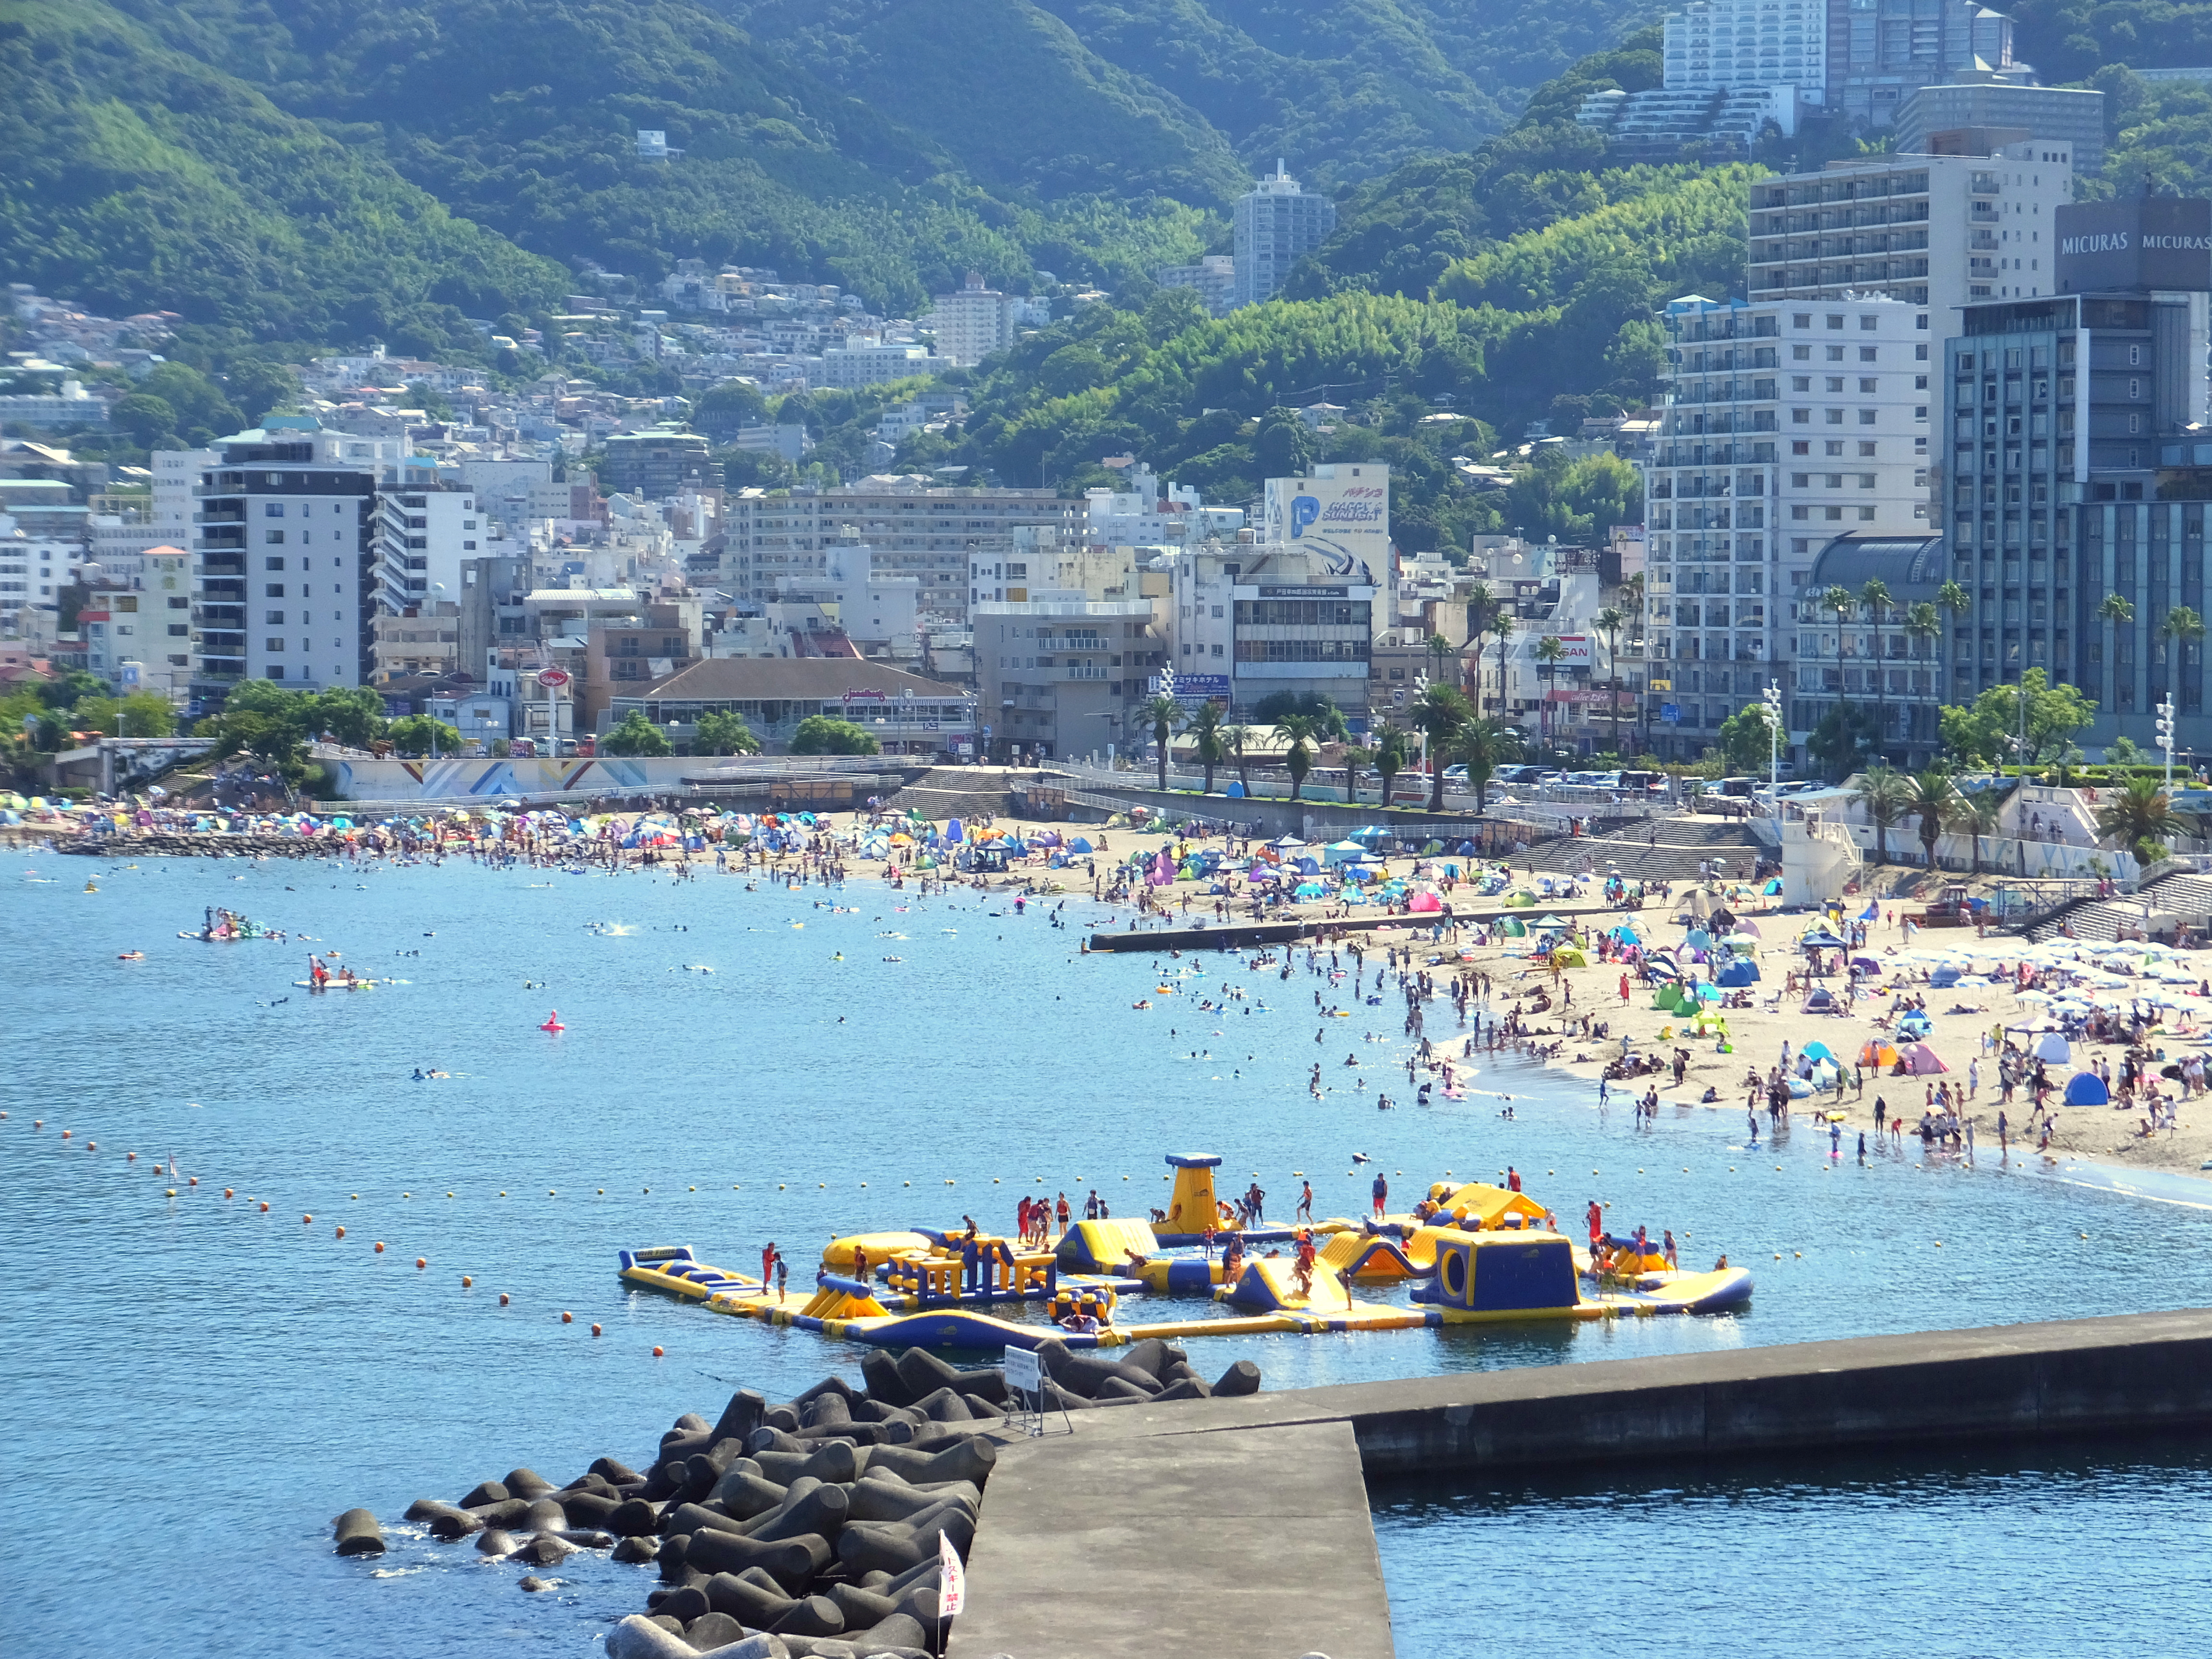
x: 2074, y: 1550
x: 197, y: 1387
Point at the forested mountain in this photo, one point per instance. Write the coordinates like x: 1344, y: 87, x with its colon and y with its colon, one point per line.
x: 330, y: 168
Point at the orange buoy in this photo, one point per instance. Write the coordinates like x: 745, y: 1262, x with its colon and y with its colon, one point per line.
x: 379, y: 1247
x: 502, y: 1298
x: 568, y: 1318
x: 226, y: 1192
x: 265, y: 1207
x: 422, y: 1262
x: 305, y: 1219
x: 92, y: 1145
x: 193, y: 1181
x: 467, y: 1281
x: 341, y: 1232
x: 595, y: 1330
x: 66, y: 1133
x: 658, y: 1351
x: 130, y: 1158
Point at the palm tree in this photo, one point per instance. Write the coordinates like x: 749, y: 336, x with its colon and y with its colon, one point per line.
x: 1887, y: 797
x: 1300, y: 730
x: 1632, y: 602
x: 1165, y: 716
x: 1501, y: 623
x: 1480, y: 602
x: 1839, y: 600
x: 1389, y: 757
x: 2112, y: 610
x: 1441, y: 712
x: 1440, y: 651
x: 1550, y: 652
x: 1484, y: 745
x: 1610, y: 621
x: 1923, y: 625
x: 1205, y: 727
x: 1976, y: 814
x: 2184, y: 628
x: 1354, y: 758
x: 1238, y: 740
x: 2140, y: 812
x: 1875, y: 600
x: 1953, y: 602
x: 1933, y: 799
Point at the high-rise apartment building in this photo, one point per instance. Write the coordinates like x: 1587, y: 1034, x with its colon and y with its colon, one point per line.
x: 1782, y: 427
x: 1939, y: 232
x: 971, y: 323
x: 1881, y: 52
x: 2075, y: 470
x: 284, y: 551
x: 1722, y: 45
x: 1277, y: 224
x: 779, y: 542
x: 2068, y: 119
x: 1214, y: 278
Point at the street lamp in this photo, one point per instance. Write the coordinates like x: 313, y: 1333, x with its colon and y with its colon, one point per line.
x: 2165, y: 737
x: 1772, y: 698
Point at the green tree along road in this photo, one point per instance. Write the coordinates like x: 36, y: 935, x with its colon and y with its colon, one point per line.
x: 819, y: 734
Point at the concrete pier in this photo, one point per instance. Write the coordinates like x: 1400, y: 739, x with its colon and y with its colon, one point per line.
x: 1147, y: 1527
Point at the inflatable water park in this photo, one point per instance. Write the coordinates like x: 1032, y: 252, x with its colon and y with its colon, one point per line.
x: 1469, y: 1253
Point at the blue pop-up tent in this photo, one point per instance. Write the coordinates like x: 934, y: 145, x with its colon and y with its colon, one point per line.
x: 1741, y: 972
x: 2086, y: 1089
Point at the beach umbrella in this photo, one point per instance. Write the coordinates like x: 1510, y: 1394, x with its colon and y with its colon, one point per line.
x: 2086, y: 1089
x: 2052, y: 1049
x: 1944, y: 976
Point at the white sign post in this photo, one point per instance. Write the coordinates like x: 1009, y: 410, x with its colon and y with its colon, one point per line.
x: 1025, y: 1381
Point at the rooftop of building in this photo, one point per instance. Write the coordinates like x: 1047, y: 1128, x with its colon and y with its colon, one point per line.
x: 1911, y: 567
x: 795, y: 679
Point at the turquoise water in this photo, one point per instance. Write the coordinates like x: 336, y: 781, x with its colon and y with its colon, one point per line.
x: 199, y: 1387
x: 2075, y: 1550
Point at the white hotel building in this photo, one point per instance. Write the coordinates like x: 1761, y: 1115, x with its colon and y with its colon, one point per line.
x: 1783, y: 427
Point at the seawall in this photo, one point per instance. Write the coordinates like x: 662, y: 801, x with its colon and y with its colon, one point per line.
x: 1194, y: 1524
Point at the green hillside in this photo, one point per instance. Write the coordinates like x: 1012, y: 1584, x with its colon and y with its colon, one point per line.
x: 141, y: 179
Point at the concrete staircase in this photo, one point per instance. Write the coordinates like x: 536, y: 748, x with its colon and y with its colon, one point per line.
x: 1682, y: 843
x: 2189, y: 896
x: 954, y: 792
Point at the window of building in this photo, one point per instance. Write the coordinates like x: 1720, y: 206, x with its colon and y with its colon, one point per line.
x: 275, y: 562
x: 274, y: 538
x: 1801, y: 353
x: 1869, y: 322
x: 1833, y: 416
x: 1801, y: 320
x: 273, y: 510
x: 1868, y: 385
x: 276, y: 590
x: 1835, y: 320
x: 1866, y: 449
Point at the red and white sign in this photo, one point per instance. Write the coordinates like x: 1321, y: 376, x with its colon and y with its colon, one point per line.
x: 952, y: 1593
x: 553, y: 677
x: 1580, y: 651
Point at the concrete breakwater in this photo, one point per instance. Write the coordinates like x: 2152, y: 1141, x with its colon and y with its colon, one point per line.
x: 1221, y: 935
x: 1240, y: 1525
x: 806, y: 1530
x: 166, y: 844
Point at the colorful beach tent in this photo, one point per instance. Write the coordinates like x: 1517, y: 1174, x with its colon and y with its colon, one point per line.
x: 1739, y: 973
x: 1877, y: 1052
x: 1923, y: 1060
x: 2086, y: 1089
x: 2052, y: 1049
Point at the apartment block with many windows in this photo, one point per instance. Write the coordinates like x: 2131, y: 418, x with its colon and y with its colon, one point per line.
x: 1782, y: 427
